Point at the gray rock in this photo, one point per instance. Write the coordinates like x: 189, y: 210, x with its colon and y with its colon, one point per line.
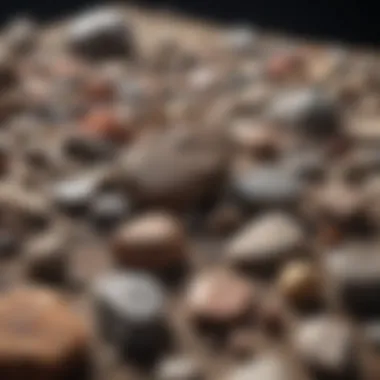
x: 179, y: 368
x: 75, y: 195
x: 269, y: 366
x: 267, y: 187
x: 131, y: 315
x: 100, y: 33
x: 309, y: 111
x: 266, y: 242
x: 356, y: 271
x: 326, y: 345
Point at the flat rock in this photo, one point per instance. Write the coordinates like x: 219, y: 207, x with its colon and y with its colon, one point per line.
x: 220, y: 297
x: 268, y: 186
x: 38, y: 327
x: 155, y: 241
x: 269, y: 366
x: 335, y: 360
x: 176, y: 169
x: 100, y: 33
x: 266, y: 242
x: 308, y: 111
x: 356, y: 271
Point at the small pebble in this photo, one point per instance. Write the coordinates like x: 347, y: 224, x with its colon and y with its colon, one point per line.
x: 300, y: 283
x: 47, y: 259
x: 130, y: 309
x: 101, y: 33
x: 155, y: 241
x: 309, y: 111
x: 108, y: 210
x: 356, y: 271
x: 266, y: 242
x: 267, y: 186
x: 220, y: 298
x: 326, y: 345
x: 179, y: 368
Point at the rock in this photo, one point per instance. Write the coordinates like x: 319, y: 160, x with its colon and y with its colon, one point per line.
x: 355, y: 269
x: 273, y: 315
x: 108, y: 124
x: 109, y: 209
x: 38, y: 328
x: 371, y: 333
x: 130, y: 309
x: 266, y: 242
x: 307, y: 165
x: 301, y: 283
x: 100, y: 34
x: 335, y: 360
x: 340, y: 206
x: 87, y: 149
x: 266, y: 187
x: 8, y: 244
x: 21, y: 35
x: 155, y: 241
x: 74, y: 195
x: 270, y: 366
x: 24, y: 212
x: 242, y: 39
x: 47, y: 259
x: 219, y: 298
x: 308, y: 111
x: 179, y: 368
x: 8, y: 75
x: 176, y: 169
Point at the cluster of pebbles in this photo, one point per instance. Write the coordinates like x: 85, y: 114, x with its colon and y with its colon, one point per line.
x: 186, y: 212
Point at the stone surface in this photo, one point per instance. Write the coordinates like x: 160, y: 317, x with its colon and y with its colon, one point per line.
x: 300, y: 282
x: 308, y: 111
x: 176, y: 169
x: 266, y: 242
x: 47, y: 258
x: 154, y: 241
x: 220, y: 297
x: 100, y: 33
x: 335, y: 360
x: 267, y: 366
x: 269, y: 186
x: 38, y: 329
x: 355, y: 270
x: 131, y: 315
x: 179, y: 368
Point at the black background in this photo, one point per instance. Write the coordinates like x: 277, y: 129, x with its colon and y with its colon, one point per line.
x: 351, y: 21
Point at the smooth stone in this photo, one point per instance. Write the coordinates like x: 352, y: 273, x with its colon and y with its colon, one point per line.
x: 101, y: 33
x: 266, y: 242
x: 326, y: 345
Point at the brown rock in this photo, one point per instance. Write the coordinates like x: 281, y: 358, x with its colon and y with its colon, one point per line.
x: 300, y: 283
x: 38, y: 330
x: 219, y: 297
x: 175, y: 169
x: 154, y: 241
x: 47, y: 259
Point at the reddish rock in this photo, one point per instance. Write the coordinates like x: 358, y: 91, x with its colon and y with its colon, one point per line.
x: 154, y: 241
x: 220, y: 297
x: 38, y: 329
